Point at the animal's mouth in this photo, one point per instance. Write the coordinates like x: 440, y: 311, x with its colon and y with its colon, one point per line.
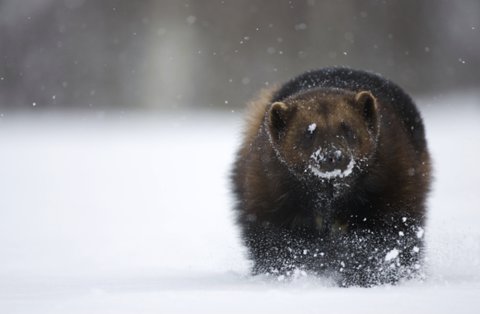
x: 331, y: 164
x: 335, y: 173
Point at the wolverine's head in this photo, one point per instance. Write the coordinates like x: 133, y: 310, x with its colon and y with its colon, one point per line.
x: 324, y: 134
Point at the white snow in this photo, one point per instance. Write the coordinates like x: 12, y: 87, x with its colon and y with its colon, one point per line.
x: 131, y: 214
x: 333, y: 173
x: 392, y: 255
x: 319, y: 156
x: 300, y: 27
x: 420, y: 232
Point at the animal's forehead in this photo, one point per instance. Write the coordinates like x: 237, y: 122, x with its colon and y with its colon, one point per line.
x: 322, y: 103
x: 325, y: 109
x: 328, y: 95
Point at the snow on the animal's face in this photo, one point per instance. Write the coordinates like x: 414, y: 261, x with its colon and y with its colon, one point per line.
x: 331, y: 164
x: 326, y: 137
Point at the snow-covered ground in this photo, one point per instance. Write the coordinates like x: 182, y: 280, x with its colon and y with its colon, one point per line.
x: 132, y: 213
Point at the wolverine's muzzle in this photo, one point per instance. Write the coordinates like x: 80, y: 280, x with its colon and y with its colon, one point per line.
x: 329, y: 163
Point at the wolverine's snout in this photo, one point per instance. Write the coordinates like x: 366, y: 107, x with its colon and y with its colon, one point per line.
x: 330, y: 159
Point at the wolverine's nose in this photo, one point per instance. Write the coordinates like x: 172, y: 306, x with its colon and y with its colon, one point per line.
x: 330, y: 159
x: 334, y: 159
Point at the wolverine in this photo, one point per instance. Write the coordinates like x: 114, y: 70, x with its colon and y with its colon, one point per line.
x: 332, y: 177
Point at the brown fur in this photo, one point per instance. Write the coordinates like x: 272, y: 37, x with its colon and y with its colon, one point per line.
x: 285, y: 209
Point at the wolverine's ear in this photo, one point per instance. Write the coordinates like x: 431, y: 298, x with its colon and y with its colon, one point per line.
x: 278, y: 116
x: 367, y: 103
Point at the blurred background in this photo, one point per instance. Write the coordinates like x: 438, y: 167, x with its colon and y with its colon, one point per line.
x: 169, y: 54
x: 119, y: 122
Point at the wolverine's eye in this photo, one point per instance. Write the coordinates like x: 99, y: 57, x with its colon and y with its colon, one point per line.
x: 347, y: 132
